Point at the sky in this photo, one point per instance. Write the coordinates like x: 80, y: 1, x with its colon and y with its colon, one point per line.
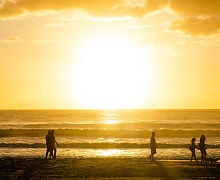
x: 109, y: 54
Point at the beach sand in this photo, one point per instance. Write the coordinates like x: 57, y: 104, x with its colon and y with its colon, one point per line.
x: 104, y: 168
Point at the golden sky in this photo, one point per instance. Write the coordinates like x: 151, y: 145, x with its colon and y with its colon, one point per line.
x: 75, y: 54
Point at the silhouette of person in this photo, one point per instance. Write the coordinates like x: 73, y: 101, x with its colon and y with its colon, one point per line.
x: 53, y: 143
x: 202, y: 147
x: 153, y: 146
x: 49, y: 143
x: 193, y: 149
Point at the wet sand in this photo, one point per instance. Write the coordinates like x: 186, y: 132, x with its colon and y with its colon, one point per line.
x: 105, y: 168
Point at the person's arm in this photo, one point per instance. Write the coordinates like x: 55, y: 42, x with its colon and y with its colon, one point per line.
x: 57, y: 143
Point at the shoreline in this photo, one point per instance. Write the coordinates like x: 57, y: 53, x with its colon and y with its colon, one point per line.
x: 105, y: 168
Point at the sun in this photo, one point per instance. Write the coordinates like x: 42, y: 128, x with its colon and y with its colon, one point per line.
x: 110, y: 74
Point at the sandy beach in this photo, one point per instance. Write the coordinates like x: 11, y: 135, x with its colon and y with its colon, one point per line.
x: 105, y: 168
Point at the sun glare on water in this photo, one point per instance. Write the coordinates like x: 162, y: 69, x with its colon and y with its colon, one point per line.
x: 110, y: 74
x: 111, y: 121
x: 110, y: 152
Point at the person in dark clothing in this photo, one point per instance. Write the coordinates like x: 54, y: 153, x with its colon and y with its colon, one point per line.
x: 49, y: 143
x: 192, y: 148
x: 202, y: 147
x: 53, y: 140
x: 153, y: 146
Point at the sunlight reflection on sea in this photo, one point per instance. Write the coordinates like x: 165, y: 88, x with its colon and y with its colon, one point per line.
x: 165, y: 153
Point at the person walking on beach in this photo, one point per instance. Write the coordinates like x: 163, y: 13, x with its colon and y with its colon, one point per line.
x: 153, y: 146
x: 49, y: 143
x: 192, y: 148
x: 202, y: 147
x: 53, y: 144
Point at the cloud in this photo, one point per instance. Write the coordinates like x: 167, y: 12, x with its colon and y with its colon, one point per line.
x: 205, y: 42
x: 194, y: 17
x: 195, y: 7
x: 69, y: 18
x: 61, y: 24
x: 103, y: 8
x: 196, y: 26
x: 12, y: 9
x: 197, y: 17
x: 12, y: 39
x: 202, y: 41
x: 8, y: 9
x: 135, y: 3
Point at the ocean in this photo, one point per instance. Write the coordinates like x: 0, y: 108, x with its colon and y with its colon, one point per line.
x: 108, y: 133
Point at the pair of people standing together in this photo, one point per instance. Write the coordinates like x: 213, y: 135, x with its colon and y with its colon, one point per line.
x: 50, y: 142
x: 201, y: 147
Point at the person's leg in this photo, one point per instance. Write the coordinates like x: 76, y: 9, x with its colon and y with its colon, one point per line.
x: 152, y: 156
x: 194, y: 156
x: 55, y: 153
x: 202, y: 157
x: 51, y: 154
x: 196, y: 159
x: 46, y: 154
x: 154, y: 151
x: 191, y: 157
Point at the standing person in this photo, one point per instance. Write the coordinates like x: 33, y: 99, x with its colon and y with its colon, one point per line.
x: 53, y: 144
x: 153, y: 146
x: 202, y: 147
x: 49, y: 143
x: 192, y: 148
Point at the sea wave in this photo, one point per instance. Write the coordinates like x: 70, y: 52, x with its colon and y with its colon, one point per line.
x: 118, y: 126
x: 100, y: 133
x: 100, y: 145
